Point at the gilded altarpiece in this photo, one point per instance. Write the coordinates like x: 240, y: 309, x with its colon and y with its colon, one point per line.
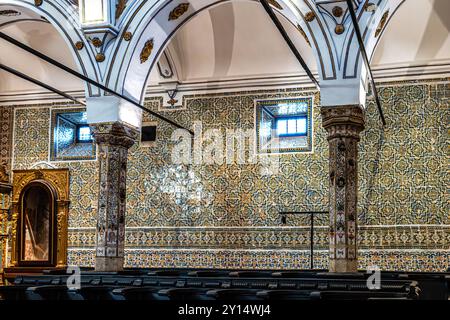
x: 30, y: 247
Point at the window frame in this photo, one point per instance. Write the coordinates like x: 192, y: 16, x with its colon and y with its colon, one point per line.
x: 78, y: 140
x: 266, y: 112
x: 287, y: 118
x: 56, y: 153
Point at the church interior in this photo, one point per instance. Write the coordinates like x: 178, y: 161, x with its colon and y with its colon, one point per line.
x: 263, y: 150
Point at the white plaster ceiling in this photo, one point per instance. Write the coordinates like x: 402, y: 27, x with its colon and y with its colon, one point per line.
x: 221, y: 43
x: 419, y: 34
x: 37, y: 33
x: 237, y: 41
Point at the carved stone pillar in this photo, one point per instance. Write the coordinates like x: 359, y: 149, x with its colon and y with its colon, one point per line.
x: 114, y: 140
x: 343, y: 124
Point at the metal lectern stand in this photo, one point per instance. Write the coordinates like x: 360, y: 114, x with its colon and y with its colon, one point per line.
x: 311, y: 232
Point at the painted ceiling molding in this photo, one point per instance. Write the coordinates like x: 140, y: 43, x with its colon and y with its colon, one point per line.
x: 120, y: 8
x: 179, y: 11
x: 9, y: 13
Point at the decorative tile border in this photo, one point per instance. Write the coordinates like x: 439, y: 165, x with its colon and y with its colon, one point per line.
x: 294, y: 238
x: 393, y: 260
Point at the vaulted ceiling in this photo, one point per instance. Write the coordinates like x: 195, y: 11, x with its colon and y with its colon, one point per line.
x: 236, y: 41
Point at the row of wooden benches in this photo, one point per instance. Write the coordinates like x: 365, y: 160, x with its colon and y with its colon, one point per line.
x: 204, y: 285
x: 99, y: 293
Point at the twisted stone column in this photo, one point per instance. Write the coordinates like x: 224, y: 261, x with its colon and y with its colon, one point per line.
x: 343, y: 124
x: 113, y: 140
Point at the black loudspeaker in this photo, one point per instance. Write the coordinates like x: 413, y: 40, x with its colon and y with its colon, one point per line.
x: 148, y: 134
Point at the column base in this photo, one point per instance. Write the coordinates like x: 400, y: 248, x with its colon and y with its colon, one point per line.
x: 343, y: 266
x: 108, y: 264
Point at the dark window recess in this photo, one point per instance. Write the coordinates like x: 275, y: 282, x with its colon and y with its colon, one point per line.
x: 148, y: 134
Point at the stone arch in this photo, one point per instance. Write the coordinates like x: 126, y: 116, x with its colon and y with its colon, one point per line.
x: 372, y: 29
x: 382, y: 31
x: 64, y: 18
x: 348, y: 84
x: 151, y: 26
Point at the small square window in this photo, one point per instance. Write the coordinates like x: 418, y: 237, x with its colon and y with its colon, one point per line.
x: 84, y: 134
x: 292, y: 126
x: 284, y: 125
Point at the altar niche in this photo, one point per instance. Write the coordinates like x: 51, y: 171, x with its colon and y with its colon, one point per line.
x: 37, y: 232
x: 39, y: 222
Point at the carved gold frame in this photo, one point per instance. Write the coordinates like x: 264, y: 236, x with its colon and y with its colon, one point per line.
x: 58, y: 181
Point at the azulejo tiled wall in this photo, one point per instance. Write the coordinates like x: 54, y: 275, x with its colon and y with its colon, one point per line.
x: 6, y: 125
x: 226, y: 216
x: 31, y: 146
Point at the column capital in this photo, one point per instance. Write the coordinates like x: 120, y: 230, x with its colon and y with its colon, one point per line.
x: 114, y: 133
x: 343, y: 121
